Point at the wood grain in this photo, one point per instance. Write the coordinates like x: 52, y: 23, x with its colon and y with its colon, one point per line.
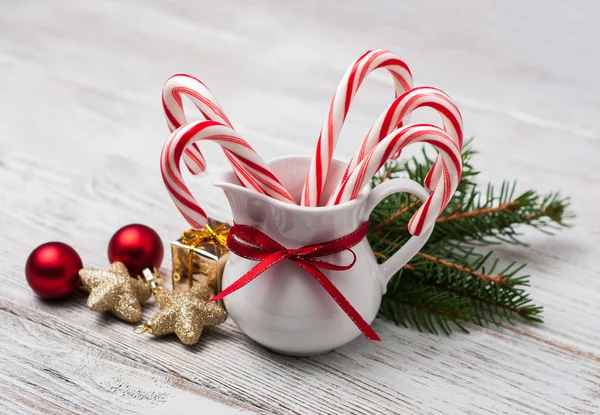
x: 81, y: 129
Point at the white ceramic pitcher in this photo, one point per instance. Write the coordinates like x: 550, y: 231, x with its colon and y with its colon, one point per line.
x: 285, y: 309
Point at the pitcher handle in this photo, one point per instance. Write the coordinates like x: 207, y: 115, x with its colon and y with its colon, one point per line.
x: 414, y: 244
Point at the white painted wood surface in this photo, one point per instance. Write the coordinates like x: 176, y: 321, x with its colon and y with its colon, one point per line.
x: 81, y: 128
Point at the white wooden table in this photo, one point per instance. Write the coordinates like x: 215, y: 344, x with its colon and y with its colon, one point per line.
x: 81, y: 128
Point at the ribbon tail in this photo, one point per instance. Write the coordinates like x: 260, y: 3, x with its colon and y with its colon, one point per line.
x: 339, y: 298
x: 250, y: 275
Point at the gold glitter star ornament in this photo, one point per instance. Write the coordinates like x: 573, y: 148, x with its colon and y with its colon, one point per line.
x: 114, y: 290
x: 185, y: 314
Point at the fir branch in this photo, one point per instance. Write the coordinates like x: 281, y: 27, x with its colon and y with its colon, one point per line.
x: 401, y: 211
x: 450, y: 282
x: 461, y: 214
x: 479, y: 218
x: 495, y: 217
x: 500, y: 279
x: 477, y: 300
x: 387, y: 173
x: 412, y: 304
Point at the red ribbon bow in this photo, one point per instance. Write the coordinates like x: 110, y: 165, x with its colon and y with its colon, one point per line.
x: 250, y: 243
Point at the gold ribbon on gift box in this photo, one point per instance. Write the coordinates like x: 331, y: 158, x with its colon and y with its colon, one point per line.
x: 209, y: 236
x: 217, y: 236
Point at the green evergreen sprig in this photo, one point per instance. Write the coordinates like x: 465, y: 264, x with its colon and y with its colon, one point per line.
x: 455, y: 279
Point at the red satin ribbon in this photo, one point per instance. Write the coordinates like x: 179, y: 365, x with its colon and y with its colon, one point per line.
x: 250, y: 243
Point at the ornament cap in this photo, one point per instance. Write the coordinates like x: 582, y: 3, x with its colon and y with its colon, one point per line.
x: 143, y: 328
x: 153, y: 278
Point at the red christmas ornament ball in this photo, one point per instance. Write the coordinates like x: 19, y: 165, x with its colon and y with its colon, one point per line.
x: 52, y: 270
x: 137, y: 246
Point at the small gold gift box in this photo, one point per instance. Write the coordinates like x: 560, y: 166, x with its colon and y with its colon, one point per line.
x: 201, y: 253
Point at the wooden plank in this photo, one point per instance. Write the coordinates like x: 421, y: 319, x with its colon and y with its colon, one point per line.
x: 80, y: 132
x: 48, y: 368
x: 387, y: 376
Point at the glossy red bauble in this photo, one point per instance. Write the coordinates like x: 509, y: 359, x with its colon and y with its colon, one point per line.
x: 52, y: 270
x: 137, y: 246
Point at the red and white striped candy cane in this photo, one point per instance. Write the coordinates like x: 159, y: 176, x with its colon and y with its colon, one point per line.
x: 451, y: 170
x: 418, y: 97
x: 174, y: 89
x: 247, y: 165
x: 338, y: 109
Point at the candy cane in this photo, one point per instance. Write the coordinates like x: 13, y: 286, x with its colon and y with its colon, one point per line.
x: 186, y: 85
x: 451, y: 169
x: 418, y: 97
x: 338, y: 109
x: 247, y: 165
